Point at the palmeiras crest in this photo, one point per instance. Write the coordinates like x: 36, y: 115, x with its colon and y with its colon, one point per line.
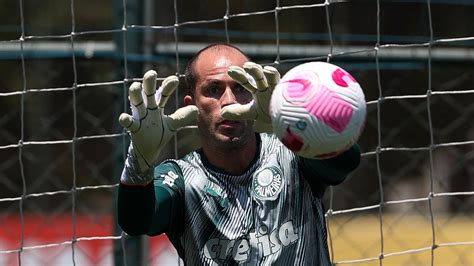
x: 267, y: 183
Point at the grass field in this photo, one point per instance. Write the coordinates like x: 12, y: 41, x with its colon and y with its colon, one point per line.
x: 358, y: 237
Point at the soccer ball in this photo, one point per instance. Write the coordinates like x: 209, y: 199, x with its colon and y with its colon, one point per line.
x: 318, y: 110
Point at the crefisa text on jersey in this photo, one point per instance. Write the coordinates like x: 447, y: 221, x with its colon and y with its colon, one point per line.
x: 267, y: 243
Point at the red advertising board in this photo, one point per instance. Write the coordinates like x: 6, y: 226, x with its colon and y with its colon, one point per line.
x: 38, y: 239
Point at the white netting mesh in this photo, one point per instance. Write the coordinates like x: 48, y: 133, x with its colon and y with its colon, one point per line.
x: 66, y: 67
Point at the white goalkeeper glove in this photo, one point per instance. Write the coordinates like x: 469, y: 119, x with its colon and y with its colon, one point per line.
x: 260, y: 82
x: 149, y: 128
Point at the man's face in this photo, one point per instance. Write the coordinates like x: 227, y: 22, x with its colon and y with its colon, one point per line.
x: 214, y: 90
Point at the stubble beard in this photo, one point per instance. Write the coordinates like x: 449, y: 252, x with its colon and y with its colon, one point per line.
x: 225, y: 139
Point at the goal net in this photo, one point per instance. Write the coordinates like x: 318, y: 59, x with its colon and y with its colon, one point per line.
x: 66, y: 66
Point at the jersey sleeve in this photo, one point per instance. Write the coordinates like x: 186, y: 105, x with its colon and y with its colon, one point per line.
x: 329, y: 172
x: 135, y: 207
x: 155, y: 208
x: 169, y: 195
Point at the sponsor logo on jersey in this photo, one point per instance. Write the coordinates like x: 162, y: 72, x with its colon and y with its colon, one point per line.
x: 261, y: 241
x: 267, y: 183
x: 218, y: 193
x: 169, y: 178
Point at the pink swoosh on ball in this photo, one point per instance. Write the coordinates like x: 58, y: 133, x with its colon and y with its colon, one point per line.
x: 338, y: 76
x: 327, y: 106
x: 298, y: 89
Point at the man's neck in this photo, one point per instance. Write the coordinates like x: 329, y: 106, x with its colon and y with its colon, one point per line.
x: 234, y: 161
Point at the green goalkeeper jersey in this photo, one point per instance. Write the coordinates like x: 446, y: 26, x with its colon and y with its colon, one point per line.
x: 270, y: 215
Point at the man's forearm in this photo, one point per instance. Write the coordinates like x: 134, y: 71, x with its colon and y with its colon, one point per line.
x: 135, y: 207
x: 143, y: 209
x: 329, y: 172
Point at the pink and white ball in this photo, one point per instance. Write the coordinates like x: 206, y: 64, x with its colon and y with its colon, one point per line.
x: 318, y: 110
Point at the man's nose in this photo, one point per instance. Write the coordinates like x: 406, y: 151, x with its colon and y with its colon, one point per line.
x: 228, y: 97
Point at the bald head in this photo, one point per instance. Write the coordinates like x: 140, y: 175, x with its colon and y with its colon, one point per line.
x: 218, y: 48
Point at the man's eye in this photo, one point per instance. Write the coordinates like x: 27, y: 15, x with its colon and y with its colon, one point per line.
x: 213, y: 90
x: 240, y: 89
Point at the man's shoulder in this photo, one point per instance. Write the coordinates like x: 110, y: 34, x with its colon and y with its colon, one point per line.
x: 186, y: 164
x: 270, y: 138
x: 166, y: 166
x: 271, y: 144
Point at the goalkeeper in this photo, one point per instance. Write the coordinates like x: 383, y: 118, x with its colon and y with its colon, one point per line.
x: 241, y: 198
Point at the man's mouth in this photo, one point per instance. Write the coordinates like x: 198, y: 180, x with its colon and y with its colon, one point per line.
x: 229, y: 123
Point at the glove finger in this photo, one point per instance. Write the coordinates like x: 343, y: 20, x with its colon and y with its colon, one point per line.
x: 256, y: 72
x: 272, y: 76
x: 240, y: 76
x: 167, y: 88
x: 149, y: 88
x: 137, y: 105
x: 184, y: 116
x: 127, y: 122
x: 239, y: 111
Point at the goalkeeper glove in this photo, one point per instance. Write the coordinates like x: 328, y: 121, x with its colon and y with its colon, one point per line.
x: 260, y: 82
x: 149, y: 128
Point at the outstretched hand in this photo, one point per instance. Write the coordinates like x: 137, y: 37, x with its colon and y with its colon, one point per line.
x: 149, y: 127
x: 260, y: 82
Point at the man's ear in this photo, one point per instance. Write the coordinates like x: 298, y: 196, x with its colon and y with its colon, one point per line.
x: 188, y: 100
